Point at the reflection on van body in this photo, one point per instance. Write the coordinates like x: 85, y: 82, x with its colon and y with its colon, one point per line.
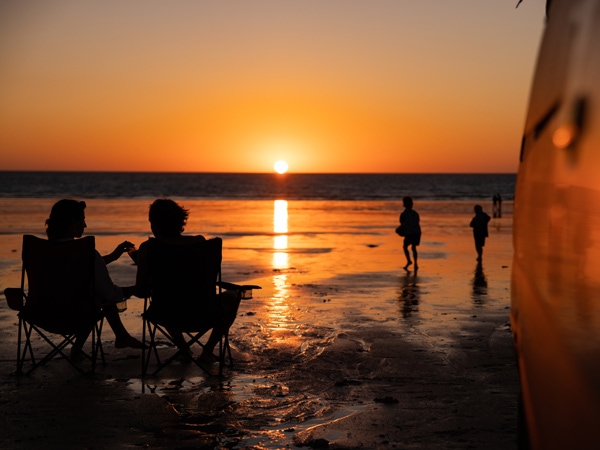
x: 555, y: 288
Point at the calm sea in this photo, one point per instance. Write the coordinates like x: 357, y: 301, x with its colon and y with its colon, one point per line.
x: 268, y: 222
x: 237, y: 186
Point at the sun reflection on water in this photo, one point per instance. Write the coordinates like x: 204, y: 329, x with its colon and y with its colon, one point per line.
x: 280, y: 239
x: 280, y: 242
x: 280, y: 216
x: 279, y: 313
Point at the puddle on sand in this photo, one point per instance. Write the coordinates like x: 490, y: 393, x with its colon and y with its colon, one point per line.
x: 246, y: 411
x: 273, y: 395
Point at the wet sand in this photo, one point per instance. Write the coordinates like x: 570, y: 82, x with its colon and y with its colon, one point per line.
x: 340, y: 349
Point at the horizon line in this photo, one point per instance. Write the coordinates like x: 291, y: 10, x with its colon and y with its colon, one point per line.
x: 253, y: 173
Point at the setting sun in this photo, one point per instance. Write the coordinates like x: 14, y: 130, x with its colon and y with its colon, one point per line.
x: 280, y: 166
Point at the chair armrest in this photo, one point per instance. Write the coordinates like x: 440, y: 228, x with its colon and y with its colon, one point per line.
x: 15, y: 298
x: 239, y: 287
x: 245, y: 289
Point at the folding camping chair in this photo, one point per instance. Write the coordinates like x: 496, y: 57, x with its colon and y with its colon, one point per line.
x: 185, y: 283
x: 56, y: 301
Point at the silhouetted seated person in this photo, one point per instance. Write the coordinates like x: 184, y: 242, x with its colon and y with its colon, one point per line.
x: 67, y: 222
x: 167, y: 221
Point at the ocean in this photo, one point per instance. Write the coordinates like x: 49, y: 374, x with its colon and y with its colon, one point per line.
x: 267, y: 222
x: 242, y: 186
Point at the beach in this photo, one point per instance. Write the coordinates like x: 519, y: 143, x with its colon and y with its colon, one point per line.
x: 341, y: 348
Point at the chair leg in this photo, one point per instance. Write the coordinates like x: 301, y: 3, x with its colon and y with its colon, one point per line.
x: 221, y: 356
x: 224, y: 352
x: 152, y: 349
x: 144, y: 324
x: 147, y: 352
x: 26, y: 352
x: 27, y: 349
x: 162, y: 365
x: 19, y: 364
x: 56, y: 350
x: 152, y: 328
x: 95, y: 344
x: 148, y: 339
x: 228, y: 348
x: 97, y: 348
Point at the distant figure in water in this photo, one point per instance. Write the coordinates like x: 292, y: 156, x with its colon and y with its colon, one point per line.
x: 409, y: 221
x: 479, y: 223
x: 497, y: 201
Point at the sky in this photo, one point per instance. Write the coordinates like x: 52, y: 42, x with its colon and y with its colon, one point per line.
x: 385, y: 86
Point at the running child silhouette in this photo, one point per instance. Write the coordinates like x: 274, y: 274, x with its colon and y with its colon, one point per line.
x: 409, y: 221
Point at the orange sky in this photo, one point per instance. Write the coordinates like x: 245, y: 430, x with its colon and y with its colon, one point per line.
x: 328, y: 86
